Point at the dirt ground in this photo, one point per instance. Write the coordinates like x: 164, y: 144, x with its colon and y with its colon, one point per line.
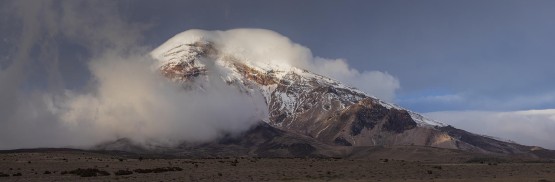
x: 64, y: 165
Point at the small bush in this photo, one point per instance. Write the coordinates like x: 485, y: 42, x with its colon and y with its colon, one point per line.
x: 437, y: 167
x: 123, y: 172
x: 90, y: 172
x: 158, y: 170
x: 143, y: 170
x: 4, y: 175
x: 47, y: 172
x: 17, y: 174
x: 486, y: 160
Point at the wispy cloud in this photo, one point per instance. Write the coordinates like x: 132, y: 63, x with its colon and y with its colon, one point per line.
x: 477, y: 101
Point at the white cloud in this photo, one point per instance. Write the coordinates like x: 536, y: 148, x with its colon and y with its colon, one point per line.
x: 377, y: 83
x: 131, y: 100
x: 450, y: 98
x: 266, y: 46
x: 124, y: 97
x: 529, y: 127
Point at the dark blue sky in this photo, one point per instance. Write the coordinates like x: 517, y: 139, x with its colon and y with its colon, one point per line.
x: 492, y: 55
x: 448, y: 55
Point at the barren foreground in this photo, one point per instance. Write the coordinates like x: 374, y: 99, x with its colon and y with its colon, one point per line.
x: 87, y: 166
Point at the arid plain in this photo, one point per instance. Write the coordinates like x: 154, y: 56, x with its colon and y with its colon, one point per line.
x: 384, y: 165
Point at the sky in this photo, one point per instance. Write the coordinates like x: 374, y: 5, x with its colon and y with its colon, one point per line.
x: 475, y: 64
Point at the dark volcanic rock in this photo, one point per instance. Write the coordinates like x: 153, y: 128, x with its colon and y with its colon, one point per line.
x: 342, y: 141
x: 365, y: 117
x: 301, y: 149
x: 399, y: 121
x: 362, y: 121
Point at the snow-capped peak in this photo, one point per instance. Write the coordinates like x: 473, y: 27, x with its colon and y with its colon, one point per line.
x: 184, y: 60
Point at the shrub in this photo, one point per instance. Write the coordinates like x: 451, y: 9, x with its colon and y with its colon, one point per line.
x: 123, y: 172
x: 143, y: 170
x: 486, y: 160
x: 437, y: 167
x: 90, y: 172
x: 158, y: 170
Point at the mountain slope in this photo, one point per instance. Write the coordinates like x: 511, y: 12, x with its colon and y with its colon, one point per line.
x: 312, y: 105
x: 262, y: 140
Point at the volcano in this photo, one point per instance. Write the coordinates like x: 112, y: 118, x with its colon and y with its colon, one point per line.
x: 309, y: 114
